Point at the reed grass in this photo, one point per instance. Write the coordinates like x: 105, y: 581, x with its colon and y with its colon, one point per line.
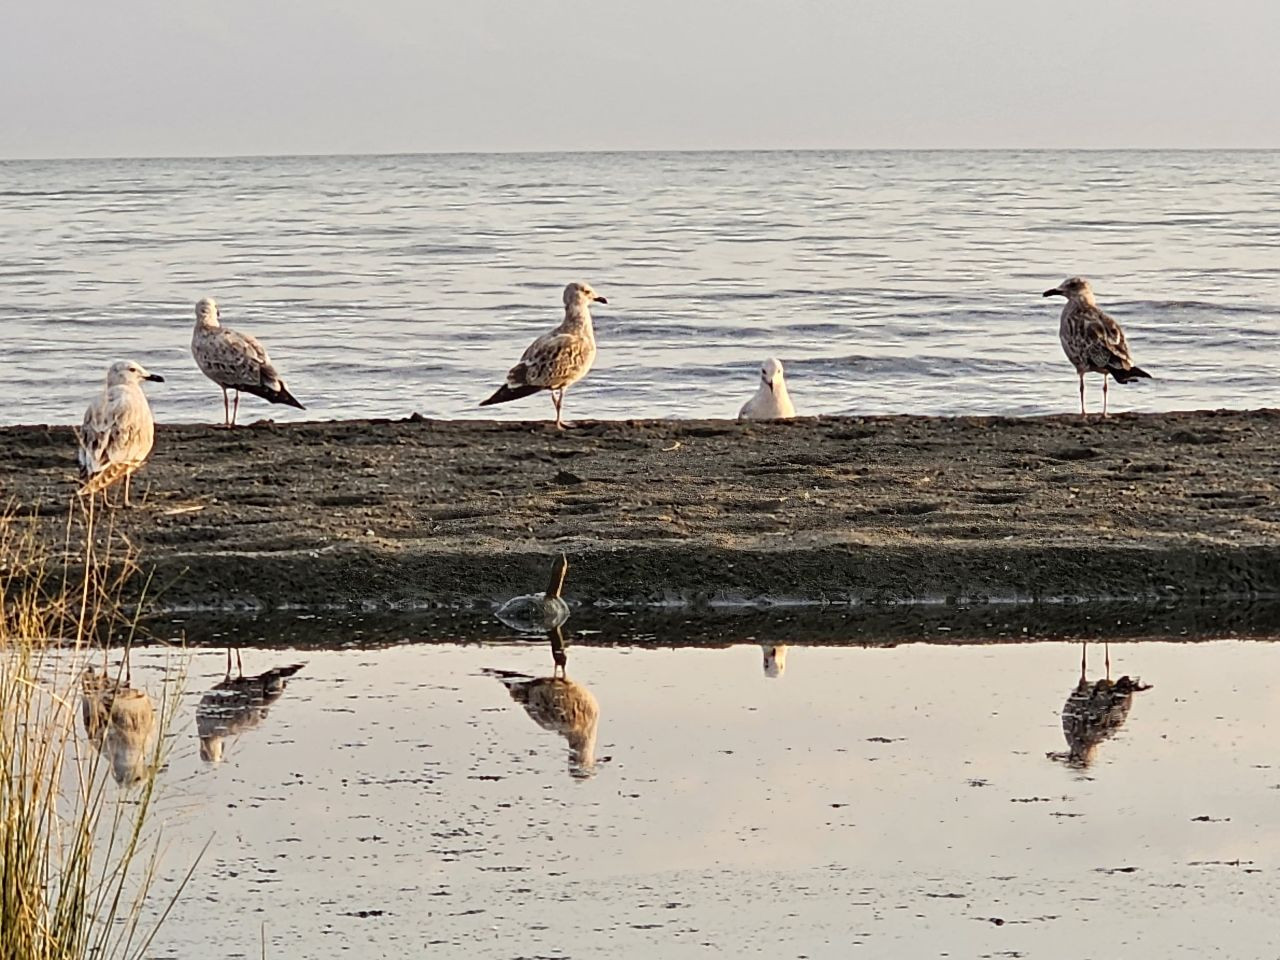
x: 79, y: 831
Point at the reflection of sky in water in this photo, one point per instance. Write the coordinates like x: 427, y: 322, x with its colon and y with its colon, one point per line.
x: 886, y: 793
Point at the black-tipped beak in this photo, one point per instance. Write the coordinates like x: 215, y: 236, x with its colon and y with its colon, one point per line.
x: 600, y: 299
x: 155, y: 377
x: 1055, y: 292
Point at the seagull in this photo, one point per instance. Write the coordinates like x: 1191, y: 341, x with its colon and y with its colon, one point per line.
x: 559, y: 359
x: 775, y: 659
x: 118, y: 430
x: 120, y: 721
x: 235, y: 361
x: 1094, y: 712
x: 237, y: 704
x: 559, y: 704
x: 771, y: 402
x: 1092, y: 340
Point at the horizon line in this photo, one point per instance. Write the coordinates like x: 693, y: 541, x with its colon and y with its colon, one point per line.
x: 610, y: 152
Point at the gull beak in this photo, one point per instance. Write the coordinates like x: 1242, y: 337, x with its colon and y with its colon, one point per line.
x: 1055, y: 292
x: 154, y: 377
x: 600, y: 299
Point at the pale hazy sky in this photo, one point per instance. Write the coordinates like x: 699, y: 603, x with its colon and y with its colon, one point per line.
x: 189, y: 77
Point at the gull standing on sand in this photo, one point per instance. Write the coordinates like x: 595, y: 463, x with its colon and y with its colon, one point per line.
x: 771, y: 402
x: 1092, y: 340
x: 118, y: 430
x: 559, y: 359
x: 235, y: 361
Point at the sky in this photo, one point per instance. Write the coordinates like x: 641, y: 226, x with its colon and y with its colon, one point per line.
x: 237, y: 77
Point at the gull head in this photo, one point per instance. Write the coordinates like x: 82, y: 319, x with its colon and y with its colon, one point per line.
x: 207, y: 311
x: 1073, y: 288
x: 581, y: 293
x: 771, y: 374
x: 126, y: 371
x: 211, y: 748
x: 775, y: 660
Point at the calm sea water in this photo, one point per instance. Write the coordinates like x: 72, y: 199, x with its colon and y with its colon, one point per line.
x: 397, y: 801
x: 887, y: 281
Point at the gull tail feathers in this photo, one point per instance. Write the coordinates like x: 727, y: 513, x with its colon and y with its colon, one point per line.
x: 105, y: 478
x: 1125, y: 376
x: 506, y: 392
x: 279, y: 395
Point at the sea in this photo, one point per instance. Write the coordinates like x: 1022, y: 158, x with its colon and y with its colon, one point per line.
x: 886, y: 281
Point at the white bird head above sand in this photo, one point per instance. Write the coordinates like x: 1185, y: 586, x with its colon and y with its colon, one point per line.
x: 1073, y: 288
x: 126, y: 371
x: 207, y: 311
x: 771, y: 373
x: 576, y: 294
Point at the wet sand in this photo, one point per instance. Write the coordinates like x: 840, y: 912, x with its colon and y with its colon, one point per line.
x: 379, y: 514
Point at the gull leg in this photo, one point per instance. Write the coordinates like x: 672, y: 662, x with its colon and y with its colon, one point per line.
x: 235, y: 410
x: 239, y: 665
x: 126, y: 489
x: 1082, y: 413
x: 1104, y: 396
x: 226, y: 409
x: 1106, y: 647
x: 1084, y: 653
x: 557, y: 397
x: 228, y: 676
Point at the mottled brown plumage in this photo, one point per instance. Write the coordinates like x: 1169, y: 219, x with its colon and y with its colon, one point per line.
x: 235, y: 361
x: 1094, y: 712
x: 237, y: 704
x: 559, y: 704
x: 1092, y: 340
x: 558, y: 359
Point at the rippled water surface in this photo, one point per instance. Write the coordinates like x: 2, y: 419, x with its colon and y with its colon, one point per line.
x: 911, y: 800
x: 888, y: 282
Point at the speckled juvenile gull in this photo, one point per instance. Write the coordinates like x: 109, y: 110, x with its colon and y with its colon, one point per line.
x: 559, y: 359
x: 1094, y: 712
x: 563, y: 706
x: 118, y: 431
x: 235, y: 361
x: 238, y: 704
x: 771, y: 401
x: 1093, y: 341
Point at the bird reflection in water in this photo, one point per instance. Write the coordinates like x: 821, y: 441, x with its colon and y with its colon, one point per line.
x: 1095, y: 711
x: 559, y: 704
x: 120, y: 721
x: 775, y: 659
x: 237, y: 704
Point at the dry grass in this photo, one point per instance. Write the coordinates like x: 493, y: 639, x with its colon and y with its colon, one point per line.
x: 78, y: 826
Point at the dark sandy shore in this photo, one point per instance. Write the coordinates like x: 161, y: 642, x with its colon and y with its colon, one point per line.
x: 381, y: 514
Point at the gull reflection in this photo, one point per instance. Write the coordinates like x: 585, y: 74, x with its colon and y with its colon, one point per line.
x: 559, y: 704
x: 120, y: 721
x: 539, y: 612
x: 1095, y: 711
x: 775, y: 659
x: 237, y: 704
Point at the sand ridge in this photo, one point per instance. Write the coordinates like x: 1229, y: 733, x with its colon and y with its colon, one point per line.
x: 381, y: 513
